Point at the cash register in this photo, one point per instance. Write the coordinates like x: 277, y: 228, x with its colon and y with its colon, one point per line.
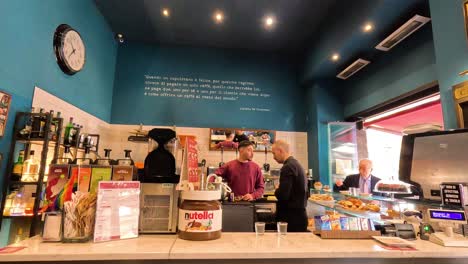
x: 448, y: 219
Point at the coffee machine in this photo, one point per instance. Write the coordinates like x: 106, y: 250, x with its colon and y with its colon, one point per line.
x: 159, y: 197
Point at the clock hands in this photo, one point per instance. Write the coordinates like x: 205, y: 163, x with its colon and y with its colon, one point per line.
x: 72, y: 53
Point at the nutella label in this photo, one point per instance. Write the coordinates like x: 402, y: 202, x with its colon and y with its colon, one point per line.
x: 200, y: 221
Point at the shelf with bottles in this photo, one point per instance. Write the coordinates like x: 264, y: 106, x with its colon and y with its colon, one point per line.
x: 38, y: 126
x: 20, y: 201
x: 14, y: 183
x: 28, y: 163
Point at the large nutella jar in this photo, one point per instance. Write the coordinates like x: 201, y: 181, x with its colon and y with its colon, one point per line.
x: 200, y: 215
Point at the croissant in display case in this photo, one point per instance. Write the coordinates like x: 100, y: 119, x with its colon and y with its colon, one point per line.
x: 389, y: 186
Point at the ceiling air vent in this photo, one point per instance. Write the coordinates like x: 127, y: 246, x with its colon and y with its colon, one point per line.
x: 352, y: 69
x: 403, y: 32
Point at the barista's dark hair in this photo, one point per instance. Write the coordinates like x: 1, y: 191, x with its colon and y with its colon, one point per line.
x: 245, y: 143
x: 228, y: 133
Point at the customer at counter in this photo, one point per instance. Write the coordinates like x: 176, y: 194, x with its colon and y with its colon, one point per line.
x: 365, y: 181
x: 228, y: 143
x: 243, y: 175
x: 292, y: 190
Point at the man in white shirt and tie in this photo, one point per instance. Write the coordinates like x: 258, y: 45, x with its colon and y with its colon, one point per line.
x: 365, y: 181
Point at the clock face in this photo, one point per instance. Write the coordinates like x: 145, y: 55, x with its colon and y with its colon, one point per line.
x: 69, y: 49
x: 73, y: 50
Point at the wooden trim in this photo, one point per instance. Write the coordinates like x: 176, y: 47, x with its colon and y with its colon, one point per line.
x: 234, y: 131
x: 6, y: 99
x: 465, y: 16
x: 459, y: 100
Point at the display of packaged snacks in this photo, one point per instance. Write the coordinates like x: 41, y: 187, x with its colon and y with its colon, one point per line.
x: 364, y: 222
x: 322, y: 222
x: 344, y: 223
x: 328, y: 223
x: 335, y: 224
x: 354, y: 224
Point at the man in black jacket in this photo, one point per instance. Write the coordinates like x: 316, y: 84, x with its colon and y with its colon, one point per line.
x: 292, y: 190
x: 365, y: 181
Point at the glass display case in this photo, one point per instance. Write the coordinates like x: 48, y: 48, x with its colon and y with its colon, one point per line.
x: 379, y: 209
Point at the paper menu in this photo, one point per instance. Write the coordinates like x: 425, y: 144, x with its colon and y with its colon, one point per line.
x: 118, y: 210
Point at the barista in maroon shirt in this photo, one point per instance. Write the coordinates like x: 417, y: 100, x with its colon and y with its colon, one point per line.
x: 243, y: 175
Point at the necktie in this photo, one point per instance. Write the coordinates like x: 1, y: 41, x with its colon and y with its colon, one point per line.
x: 366, y: 187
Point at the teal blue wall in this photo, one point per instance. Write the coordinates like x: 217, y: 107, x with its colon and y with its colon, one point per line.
x: 270, y: 72
x: 451, y: 50
x: 402, y: 69
x: 323, y: 106
x: 27, y: 58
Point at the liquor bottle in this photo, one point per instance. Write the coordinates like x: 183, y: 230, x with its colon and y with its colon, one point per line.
x: 26, y: 131
x: 30, y: 169
x: 53, y: 125
x: 9, y: 202
x: 68, y: 129
x: 18, y: 236
x: 66, y: 157
x: 17, y: 206
x: 56, y: 122
x: 42, y: 124
x: 37, y: 125
x: 74, y: 134
x: 18, y: 167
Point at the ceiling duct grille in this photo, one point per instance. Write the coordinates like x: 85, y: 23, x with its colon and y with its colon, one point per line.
x: 402, y: 32
x: 352, y: 69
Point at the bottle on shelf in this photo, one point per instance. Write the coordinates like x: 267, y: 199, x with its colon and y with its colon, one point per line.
x: 86, y: 160
x: 9, y: 202
x: 106, y: 161
x: 18, y: 167
x: 30, y: 169
x: 38, y: 125
x: 26, y: 131
x: 18, y: 236
x: 18, y: 205
x: 55, y: 125
x: 75, y: 135
x: 68, y: 130
x: 66, y: 157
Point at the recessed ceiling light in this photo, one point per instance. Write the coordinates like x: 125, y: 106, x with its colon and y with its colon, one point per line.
x: 269, y: 21
x: 219, y: 17
x: 335, y: 57
x: 368, y: 27
x: 165, y: 12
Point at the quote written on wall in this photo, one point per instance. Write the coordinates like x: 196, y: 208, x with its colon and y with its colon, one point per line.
x: 204, y: 89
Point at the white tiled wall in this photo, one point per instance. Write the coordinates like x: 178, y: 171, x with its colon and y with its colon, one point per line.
x: 115, y: 136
